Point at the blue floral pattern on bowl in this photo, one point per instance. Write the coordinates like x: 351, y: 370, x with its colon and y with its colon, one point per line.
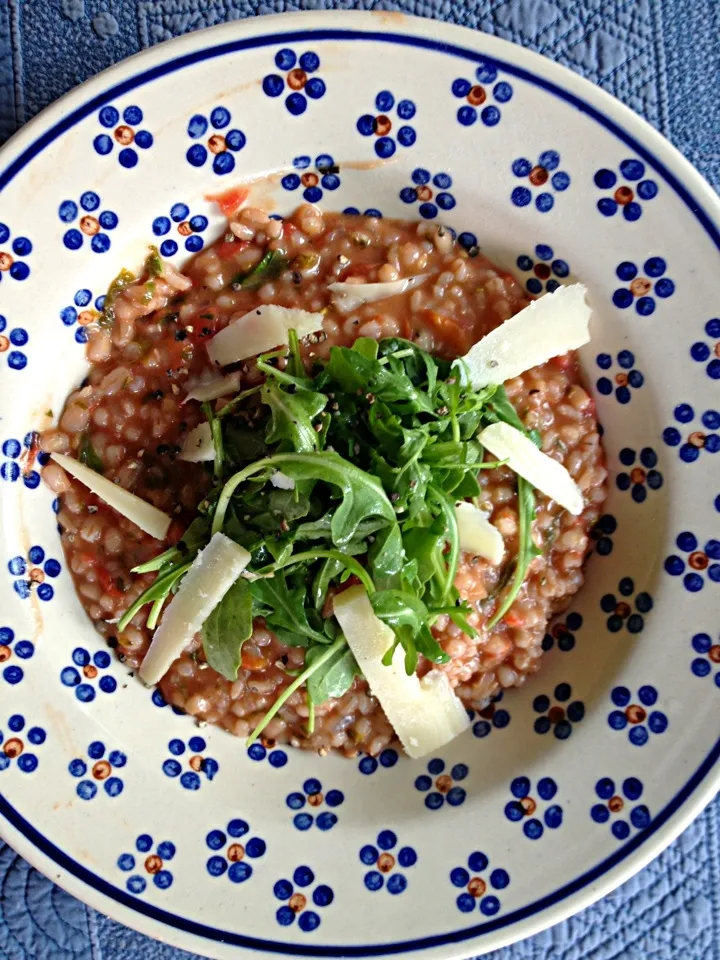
x: 315, y: 178
x: 189, y: 753
x: 703, y: 562
x: 624, y: 383
x: 125, y: 134
x: 612, y: 806
x: 86, y: 223
x: 383, y: 123
x: 18, y: 745
x: 152, y: 860
x: 222, y: 143
x: 696, y: 440
x: 708, y: 657
x: 13, y: 337
x: 229, y: 856
x: 79, y: 314
x: 634, y: 712
x: 485, y: 98
x: 388, y: 865
x: 631, y: 189
x: 89, y: 673
x: 94, y: 768
x: 442, y: 787
x: 643, y: 476
x: 544, y: 178
x: 296, y: 903
x: 312, y: 796
x: 12, y: 651
x: 556, y: 713
x: 524, y: 806
x: 32, y: 571
x: 299, y: 77
x: 18, y: 461
x: 547, y: 270
x: 13, y: 251
x: 643, y: 290
x: 430, y: 191
x: 707, y: 351
x: 481, y: 885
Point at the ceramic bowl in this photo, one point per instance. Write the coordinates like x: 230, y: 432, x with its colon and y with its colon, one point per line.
x: 515, y: 825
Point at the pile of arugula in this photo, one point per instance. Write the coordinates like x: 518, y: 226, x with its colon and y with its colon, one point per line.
x: 376, y: 446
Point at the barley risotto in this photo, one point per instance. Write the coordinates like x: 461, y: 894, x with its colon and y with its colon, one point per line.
x: 132, y: 421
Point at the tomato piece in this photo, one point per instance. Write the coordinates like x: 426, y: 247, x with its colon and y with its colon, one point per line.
x: 252, y: 661
x: 451, y: 333
x: 230, y: 200
x: 513, y: 618
x: 107, y: 582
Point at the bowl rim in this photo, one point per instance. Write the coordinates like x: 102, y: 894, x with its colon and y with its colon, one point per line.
x: 698, y: 197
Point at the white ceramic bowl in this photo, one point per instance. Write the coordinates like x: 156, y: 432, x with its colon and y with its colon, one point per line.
x: 534, y: 171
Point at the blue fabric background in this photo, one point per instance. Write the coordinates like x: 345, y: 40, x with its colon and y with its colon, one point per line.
x: 662, y: 58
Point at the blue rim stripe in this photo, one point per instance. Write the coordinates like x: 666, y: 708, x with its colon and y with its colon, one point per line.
x: 211, y: 933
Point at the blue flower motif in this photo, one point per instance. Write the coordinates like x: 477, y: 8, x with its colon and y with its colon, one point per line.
x: 641, y: 478
x: 700, y: 561
x: 14, y: 748
x: 159, y: 700
x: 642, y: 290
x: 484, y: 98
x: 627, y: 198
x: 324, y: 176
x: 476, y: 886
x: 387, y: 759
x: 524, y: 805
x: 613, y: 803
x: 153, y: 864
x: 87, y: 672
x: 556, y: 717
x: 276, y: 758
x: 445, y: 784
x: 12, y: 261
x: 13, y: 673
x: 15, y: 337
x: 380, y: 125
x: 190, y: 779
x: 697, y: 440
x: 421, y: 191
x: 33, y: 571
x: 223, y: 146
x: 89, y: 225
x: 80, y: 313
x: 624, y: 382
x: 491, y: 717
x: 547, y: 271
x: 620, y: 611
x: 602, y: 534
x: 641, y: 720
x: 297, y: 79
x: 369, y: 212
x: 186, y: 226
x: 708, y: 655
x: 701, y: 352
x: 229, y: 856
x: 20, y: 460
x: 564, y: 633
x: 384, y: 862
x: 296, y: 902
x: 101, y: 770
x: 312, y: 795
x: 123, y: 134
x: 544, y: 172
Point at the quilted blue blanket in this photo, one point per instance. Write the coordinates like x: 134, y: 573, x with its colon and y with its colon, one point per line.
x: 662, y: 58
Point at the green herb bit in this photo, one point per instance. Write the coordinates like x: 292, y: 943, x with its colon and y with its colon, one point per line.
x: 158, y: 590
x: 227, y: 628
x: 121, y: 281
x: 153, y: 263
x: 270, y: 267
x: 88, y: 455
x: 217, y: 439
x: 527, y: 550
x: 325, y: 656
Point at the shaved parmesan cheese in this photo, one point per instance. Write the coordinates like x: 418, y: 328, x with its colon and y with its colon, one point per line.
x: 198, y: 445
x: 214, y: 388
x: 350, y: 296
x: 522, y: 456
x: 260, y: 330
x: 213, y: 572
x: 142, y: 514
x: 477, y: 535
x: 425, y: 713
x: 282, y: 481
x: 546, y: 328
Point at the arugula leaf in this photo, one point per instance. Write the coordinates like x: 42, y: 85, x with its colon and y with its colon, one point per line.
x: 227, y: 628
x: 270, y: 267
x: 527, y: 550
x: 335, y: 675
x: 291, y: 417
x: 283, y: 607
x: 408, y: 616
x: 88, y: 455
x: 158, y: 590
x: 500, y: 409
x: 217, y: 439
